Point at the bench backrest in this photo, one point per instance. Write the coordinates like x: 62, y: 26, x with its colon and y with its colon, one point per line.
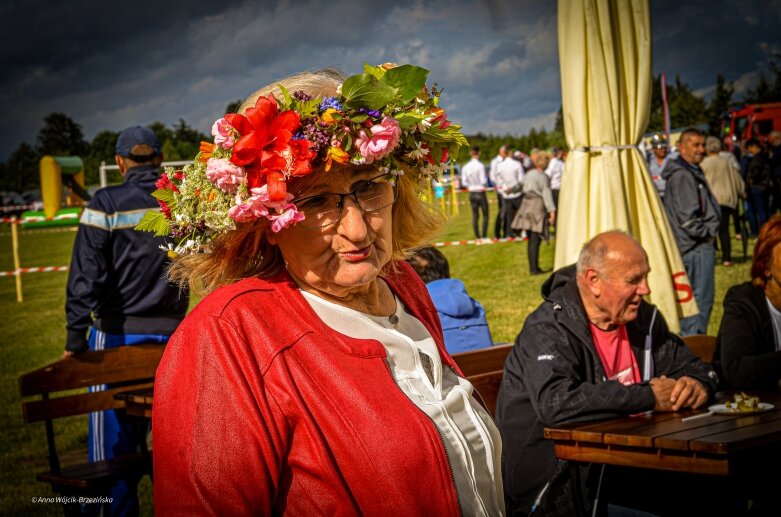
x: 484, y: 369
x: 702, y: 345
x: 51, y: 387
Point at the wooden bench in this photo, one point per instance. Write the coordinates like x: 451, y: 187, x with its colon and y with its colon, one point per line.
x: 122, y: 368
x: 484, y: 369
x: 702, y: 345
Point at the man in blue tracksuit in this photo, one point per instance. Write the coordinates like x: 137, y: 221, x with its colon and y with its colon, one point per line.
x: 117, y: 292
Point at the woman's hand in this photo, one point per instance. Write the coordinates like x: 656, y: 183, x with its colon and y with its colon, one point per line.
x: 552, y: 218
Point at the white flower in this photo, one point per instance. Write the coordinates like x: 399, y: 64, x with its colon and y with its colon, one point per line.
x: 418, y: 153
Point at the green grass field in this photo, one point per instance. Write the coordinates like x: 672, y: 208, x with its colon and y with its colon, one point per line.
x: 33, y: 332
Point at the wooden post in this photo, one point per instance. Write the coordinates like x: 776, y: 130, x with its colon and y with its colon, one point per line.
x: 453, y: 196
x: 17, y: 265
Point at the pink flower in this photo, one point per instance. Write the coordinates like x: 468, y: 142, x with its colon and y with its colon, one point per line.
x: 383, y: 140
x: 224, y: 174
x: 289, y: 216
x: 242, y: 213
x: 223, y: 133
x: 259, y: 205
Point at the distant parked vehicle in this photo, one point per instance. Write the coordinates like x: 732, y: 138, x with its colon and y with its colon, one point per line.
x: 12, y: 204
x: 33, y: 199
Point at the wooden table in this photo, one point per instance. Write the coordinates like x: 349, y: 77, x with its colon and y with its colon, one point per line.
x: 721, y: 445
x: 137, y: 402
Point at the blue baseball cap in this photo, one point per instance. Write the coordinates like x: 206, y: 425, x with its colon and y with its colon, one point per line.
x: 134, y: 136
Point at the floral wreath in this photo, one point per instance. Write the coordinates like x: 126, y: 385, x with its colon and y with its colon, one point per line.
x: 385, y: 116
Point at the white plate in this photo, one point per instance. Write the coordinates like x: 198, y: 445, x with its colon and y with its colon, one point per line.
x: 721, y: 409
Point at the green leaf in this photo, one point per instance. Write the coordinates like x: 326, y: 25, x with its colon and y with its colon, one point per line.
x: 408, y: 80
x: 360, y: 118
x: 376, y: 71
x: 165, y: 195
x: 308, y: 108
x: 407, y: 120
x: 348, y: 143
x: 285, y: 95
x: 365, y: 91
x: 449, y: 135
x: 154, y: 221
x: 436, y: 153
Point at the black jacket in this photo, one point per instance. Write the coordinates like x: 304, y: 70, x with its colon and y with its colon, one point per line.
x: 118, y: 274
x: 691, y: 208
x: 553, y: 375
x: 746, y: 355
x: 759, y: 174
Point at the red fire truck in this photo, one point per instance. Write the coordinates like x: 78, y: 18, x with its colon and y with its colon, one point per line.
x: 750, y: 120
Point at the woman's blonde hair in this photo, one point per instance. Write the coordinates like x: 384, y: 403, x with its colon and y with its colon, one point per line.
x: 245, y: 251
x: 541, y: 160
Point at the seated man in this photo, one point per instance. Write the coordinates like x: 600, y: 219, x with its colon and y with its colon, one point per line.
x: 462, y: 317
x: 594, y: 349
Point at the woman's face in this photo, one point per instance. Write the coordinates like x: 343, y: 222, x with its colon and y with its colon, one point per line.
x: 346, y: 257
x: 773, y: 278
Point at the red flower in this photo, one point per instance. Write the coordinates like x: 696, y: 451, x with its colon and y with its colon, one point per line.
x: 165, y: 209
x: 430, y: 159
x: 164, y: 182
x: 265, y: 146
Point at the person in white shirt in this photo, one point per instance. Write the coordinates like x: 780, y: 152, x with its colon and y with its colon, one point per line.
x: 509, y: 173
x: 554, y: 171
x: 474, y: 179
x: 499, y: 224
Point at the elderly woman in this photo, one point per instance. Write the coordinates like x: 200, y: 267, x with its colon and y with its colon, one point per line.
x: 748, y: 347
x: 313, y: 378
x: 537, y: 209
x: 727, y: 186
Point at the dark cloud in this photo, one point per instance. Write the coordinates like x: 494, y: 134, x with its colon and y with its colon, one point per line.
x: 109, y: 65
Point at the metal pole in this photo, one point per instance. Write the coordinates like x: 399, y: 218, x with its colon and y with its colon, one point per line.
x: 103, y: 181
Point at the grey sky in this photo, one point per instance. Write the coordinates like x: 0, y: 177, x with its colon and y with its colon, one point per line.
x: 109, y: 65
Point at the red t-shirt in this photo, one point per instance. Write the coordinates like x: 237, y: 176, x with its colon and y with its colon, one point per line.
x: 616, y: 355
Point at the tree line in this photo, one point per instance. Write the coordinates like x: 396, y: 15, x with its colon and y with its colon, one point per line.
x: 62, y: 136
x: 686, y: 109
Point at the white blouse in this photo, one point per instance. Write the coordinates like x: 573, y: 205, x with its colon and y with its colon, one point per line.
x: 471, y: 439
x: 775, y: 316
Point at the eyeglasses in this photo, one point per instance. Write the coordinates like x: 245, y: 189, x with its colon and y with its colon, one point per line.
x: 326, y: 209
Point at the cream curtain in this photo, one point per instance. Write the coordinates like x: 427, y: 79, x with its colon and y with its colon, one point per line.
x: 605, y: 59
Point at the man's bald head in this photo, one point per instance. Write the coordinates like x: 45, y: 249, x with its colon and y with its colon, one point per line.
x: 615, y: 242
x: 612, y: 278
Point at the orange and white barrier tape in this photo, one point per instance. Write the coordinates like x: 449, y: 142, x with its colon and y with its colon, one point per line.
x: 37, y: 218
x: 9, y: 208
x: 36, y: 231
x: 34, y: 270
x: 478, y: 241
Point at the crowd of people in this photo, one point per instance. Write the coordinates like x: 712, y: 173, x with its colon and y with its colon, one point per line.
x: 315, y: 376
x: 527, y: 193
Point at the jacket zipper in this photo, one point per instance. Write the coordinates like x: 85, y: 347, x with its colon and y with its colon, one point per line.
x: 480, y: 398
x: 441, y: 439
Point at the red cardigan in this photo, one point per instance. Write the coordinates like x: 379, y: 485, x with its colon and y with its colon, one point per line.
x: 261, y: 408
